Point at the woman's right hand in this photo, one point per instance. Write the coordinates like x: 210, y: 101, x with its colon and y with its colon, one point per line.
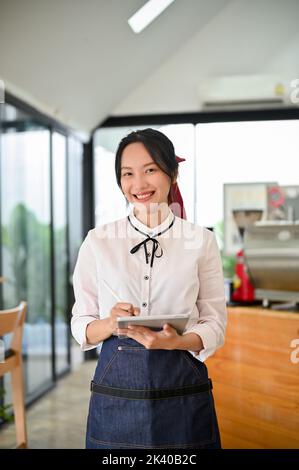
x: 121, y: 309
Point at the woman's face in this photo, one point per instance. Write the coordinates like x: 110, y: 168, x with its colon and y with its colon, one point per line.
x: 142, y: 181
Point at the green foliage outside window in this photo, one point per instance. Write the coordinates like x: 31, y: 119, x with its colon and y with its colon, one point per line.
x: 5, y: 410
x: 26, y: 254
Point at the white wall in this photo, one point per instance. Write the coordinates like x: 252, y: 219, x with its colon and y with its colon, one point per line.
x: 245, y: 37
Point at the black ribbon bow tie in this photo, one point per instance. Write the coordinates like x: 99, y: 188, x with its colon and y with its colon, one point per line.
x: 155, y: 242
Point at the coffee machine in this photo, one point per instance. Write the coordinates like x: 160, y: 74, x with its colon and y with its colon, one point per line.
x: 243, y: 290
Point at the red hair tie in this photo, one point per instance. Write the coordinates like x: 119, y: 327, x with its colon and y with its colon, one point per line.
x: 177, y: 204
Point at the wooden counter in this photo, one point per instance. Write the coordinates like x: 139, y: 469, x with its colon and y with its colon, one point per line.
x: 256, y: 383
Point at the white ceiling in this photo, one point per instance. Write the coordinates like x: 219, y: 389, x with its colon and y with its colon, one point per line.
x: 79, y: 61
x: 246, y: 38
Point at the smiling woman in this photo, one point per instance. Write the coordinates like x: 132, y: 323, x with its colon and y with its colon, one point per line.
x: 145, y: 182
x: 146, y: 170
x: 146, y: 148
x: 150, y: 388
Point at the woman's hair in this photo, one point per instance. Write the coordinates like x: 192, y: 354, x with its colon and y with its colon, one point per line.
x: 159, y: 147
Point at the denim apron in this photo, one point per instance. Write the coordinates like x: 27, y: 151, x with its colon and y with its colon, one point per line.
x: 150, y: 398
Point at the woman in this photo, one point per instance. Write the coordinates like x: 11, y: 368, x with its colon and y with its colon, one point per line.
x: 150, y: 388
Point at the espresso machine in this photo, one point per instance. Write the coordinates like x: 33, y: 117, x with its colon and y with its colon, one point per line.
x: 272, y: 255
x: 243, y: 290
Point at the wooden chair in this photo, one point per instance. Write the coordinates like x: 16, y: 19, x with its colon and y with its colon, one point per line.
x: 12, y: 321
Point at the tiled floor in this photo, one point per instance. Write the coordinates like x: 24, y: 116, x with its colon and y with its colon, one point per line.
x: 58, y: 420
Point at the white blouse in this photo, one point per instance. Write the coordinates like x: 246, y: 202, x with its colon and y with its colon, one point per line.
x: 187, y: 278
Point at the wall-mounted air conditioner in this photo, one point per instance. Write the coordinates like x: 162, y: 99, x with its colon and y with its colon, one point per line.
x: 253, y: 91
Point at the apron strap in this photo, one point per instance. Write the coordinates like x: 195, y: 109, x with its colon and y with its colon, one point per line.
x: 151, y: 394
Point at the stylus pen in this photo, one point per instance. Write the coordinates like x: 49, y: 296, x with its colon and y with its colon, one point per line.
x: 117, y: 298
x: 111, y: 291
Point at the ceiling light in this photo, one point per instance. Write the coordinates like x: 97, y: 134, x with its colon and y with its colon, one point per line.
x: 146, y: 14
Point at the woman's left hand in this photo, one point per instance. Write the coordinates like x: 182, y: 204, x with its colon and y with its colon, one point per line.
x: 164, y: 339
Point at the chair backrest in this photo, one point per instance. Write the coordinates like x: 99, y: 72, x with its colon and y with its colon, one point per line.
x: 12, y: 321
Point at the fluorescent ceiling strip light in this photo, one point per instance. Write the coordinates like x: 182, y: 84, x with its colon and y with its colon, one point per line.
x: 143, y: 17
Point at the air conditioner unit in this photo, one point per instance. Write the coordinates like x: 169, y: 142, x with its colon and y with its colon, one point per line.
x: 258, y: 91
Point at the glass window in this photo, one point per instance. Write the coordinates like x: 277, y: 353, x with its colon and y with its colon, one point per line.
x: 26, y: 255
x: 110, y: 203
x: 25, y: 232
x: 60, y: 250
x: 75, y: 198
x: 242, y: 152
x: 75, y: 223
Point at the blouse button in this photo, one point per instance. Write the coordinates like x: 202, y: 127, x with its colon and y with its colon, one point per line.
x: 149, y: 254
x: 144, y: 304
x: 146, y: 278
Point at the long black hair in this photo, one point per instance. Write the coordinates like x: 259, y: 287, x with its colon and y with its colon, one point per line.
x: 159, y: 147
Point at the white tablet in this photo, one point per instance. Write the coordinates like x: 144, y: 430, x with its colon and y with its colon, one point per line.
x: 155, y: 321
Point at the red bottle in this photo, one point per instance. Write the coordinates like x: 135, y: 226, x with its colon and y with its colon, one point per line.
x: 243, y: 289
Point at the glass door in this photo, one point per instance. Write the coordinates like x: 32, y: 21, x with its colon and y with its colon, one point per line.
x: 25, y: 239
x: 59, y: 191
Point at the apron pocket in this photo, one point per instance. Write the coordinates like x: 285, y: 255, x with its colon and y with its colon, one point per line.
x: 140, y: 368
x: 197, y: 366
x: 184, y: 421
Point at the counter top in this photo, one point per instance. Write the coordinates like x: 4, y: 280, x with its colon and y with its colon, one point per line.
x: 260, y: 311
x: 256, y: 379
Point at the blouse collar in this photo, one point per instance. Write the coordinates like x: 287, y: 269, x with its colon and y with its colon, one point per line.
x: 151, y: 231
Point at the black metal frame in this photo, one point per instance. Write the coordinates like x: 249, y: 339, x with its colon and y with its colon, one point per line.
x: 88, y: 205
x: 40, y: 117
x: 273, y: 114
x: 52, y: 260
x: 68, y: 256
x: 88, y: 188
